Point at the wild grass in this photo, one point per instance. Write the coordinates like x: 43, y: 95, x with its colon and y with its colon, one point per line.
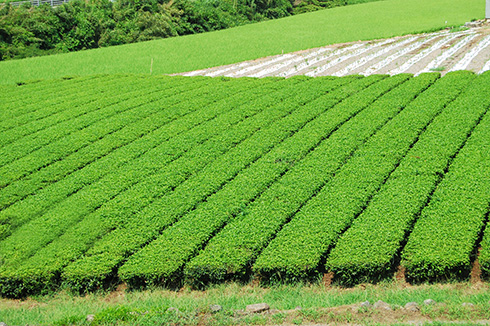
x: 442, y: 68
x: 365, y: 21
x: 150, y: 307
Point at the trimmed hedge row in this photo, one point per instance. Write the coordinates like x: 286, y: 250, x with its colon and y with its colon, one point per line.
x: 50, y: 108
x: 103, y: 137
x: 47, y: 227
x: 222, y: 116
x: 136, y: 161
x: 444, y: 239
x: 90, y: 111
x: 228, y: 129
x: 189, y: 180
x: 146, y: 225
x: 368, y: 250
x: 178, y: 118
x: 178, y: 243
x: 137, y: 105
x: 299, y: 247
x: 25, y: 103
x: 233, y: 250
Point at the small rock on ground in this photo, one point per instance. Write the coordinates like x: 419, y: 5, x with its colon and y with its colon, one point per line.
x: 412, y: 306
x: 429, y: 302
x: 366, y: 304
x: 468, y: 304
x: 256, y: 308
x: 215, y: 308
x: 90, y: 318
x: 382, y: 305
x: 3, y: 324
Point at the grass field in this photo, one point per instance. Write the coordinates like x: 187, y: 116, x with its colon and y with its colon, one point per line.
x: 319, y: 305
x: 337, y: 25
x: 172, y: 180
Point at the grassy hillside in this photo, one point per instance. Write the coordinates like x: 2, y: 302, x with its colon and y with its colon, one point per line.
x: 165, y: 180
x: 343, y: 24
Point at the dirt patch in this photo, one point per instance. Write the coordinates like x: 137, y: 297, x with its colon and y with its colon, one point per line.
x: 400, y: 275
x: 475, y: 275
x: 21, y: 304
x: 117, y: 295
x: 327, y: 279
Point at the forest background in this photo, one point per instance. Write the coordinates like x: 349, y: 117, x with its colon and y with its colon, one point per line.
x: 27, y: 31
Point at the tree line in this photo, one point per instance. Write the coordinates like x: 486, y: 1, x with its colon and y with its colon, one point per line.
x: 28, y: 31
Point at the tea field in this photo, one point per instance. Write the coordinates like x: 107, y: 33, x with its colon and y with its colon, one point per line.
x: 177, y: 180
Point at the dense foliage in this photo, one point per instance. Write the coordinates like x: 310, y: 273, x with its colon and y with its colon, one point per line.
x: 77, y: 25
x: 299, y: 247
x: 172, y: 179
x: 29, y: 31
x: 400, y: 201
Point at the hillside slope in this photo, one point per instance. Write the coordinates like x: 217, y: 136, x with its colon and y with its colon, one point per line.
x: 167, y: 179
x: 441, y: 51
x: 338, y: 25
